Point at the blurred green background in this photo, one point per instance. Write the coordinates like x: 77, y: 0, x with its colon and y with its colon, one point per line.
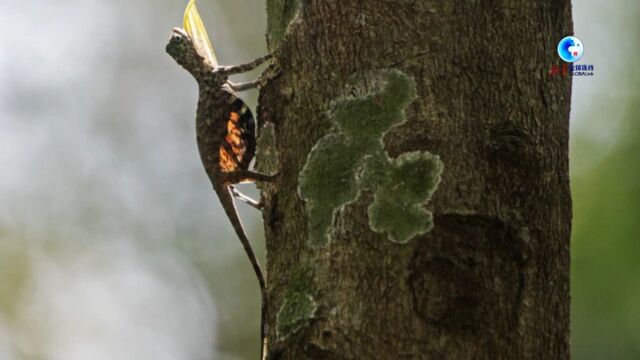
x: 112, y: 245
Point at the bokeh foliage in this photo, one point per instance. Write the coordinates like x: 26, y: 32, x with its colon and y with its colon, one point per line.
x: 606, y: 244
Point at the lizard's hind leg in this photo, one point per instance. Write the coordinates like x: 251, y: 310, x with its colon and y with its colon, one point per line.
x: 247, y: 200
x: 240, y: 175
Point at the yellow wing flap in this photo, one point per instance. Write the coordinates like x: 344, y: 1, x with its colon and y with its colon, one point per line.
x: 194, y: 26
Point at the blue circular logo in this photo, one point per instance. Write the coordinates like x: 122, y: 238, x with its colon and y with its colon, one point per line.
x: 570, y: 49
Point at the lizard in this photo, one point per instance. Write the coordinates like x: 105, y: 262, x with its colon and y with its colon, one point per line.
x: 225, y: 128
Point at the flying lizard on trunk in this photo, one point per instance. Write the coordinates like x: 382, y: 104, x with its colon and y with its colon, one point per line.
x: 225, y: 127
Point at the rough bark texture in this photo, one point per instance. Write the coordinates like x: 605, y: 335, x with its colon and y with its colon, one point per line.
x: 491, y: 279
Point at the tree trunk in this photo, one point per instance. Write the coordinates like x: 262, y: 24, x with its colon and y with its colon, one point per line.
x: 490, y: 278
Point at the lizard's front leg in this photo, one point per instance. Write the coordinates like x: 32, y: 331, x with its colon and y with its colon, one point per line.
x: 245, y: 85
x: 242, y: 68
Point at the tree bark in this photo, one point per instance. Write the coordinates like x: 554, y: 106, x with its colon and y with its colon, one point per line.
x: 490, y: 280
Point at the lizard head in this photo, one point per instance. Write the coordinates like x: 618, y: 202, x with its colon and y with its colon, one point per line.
x: 181, y: 49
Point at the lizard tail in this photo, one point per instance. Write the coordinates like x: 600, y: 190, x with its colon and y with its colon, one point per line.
x: 226, y: 199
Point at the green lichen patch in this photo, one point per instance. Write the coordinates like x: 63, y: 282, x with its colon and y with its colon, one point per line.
x: 299, y: 306
x: 366, y: 119
x: 266, y: 152
x: 302, y: 280
x: 296, y: 312
x: 373, y: 171
x: 328, y: 182
x: 404, y: 184
x: 279, y: 15
x: 343, y: 163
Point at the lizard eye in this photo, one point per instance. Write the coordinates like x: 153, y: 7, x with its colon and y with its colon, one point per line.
x: 176, y: 46
x: 179, y: 34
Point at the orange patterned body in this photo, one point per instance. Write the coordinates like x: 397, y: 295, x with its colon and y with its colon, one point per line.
x: 226, y: 133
